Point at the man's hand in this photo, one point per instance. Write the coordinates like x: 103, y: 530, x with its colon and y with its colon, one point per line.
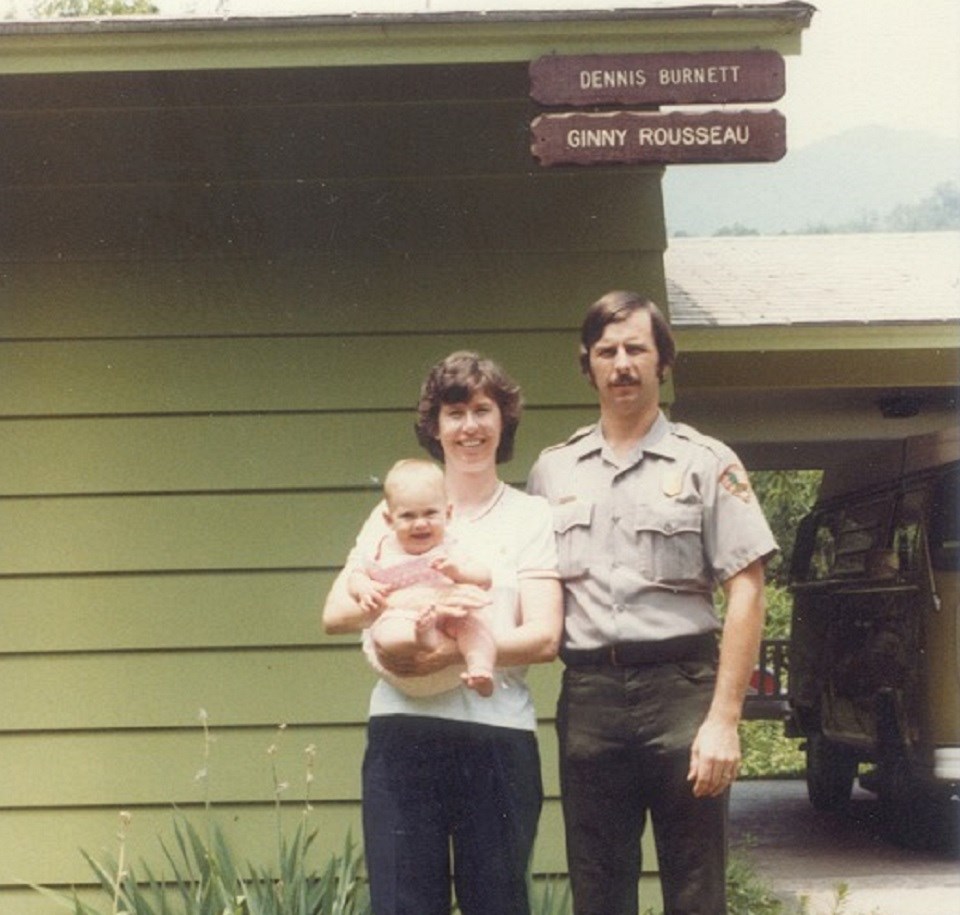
x: 715, y: 754
x: 714, y: 759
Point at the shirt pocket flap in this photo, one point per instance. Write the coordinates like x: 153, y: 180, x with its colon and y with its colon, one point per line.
x: 572, y: 523
x: 669, y: 519
x: 669, y: 545
x: 570, y: 515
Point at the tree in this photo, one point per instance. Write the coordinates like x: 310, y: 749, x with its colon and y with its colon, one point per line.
x: 938, y: 211
x: 738, y: 228
x: 786, y: 496
x: 68, y: 9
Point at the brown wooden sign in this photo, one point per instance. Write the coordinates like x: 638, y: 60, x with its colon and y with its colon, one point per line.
x: 641, y: 137
x: 679, y: 78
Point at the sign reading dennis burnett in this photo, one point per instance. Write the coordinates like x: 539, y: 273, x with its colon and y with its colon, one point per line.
x: 675, y: 78
x: 639, y: 137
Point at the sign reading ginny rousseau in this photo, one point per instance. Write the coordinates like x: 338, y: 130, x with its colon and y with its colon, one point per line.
x: 678, y: 78
x: 644, y: 137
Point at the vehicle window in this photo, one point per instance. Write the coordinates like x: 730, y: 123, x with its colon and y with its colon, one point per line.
x: 904, y: 552
x: 824, y: 551
x: 862, y: 532
x: 944, y: 535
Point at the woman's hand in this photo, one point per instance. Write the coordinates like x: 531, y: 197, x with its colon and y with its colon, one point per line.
x: 422, y: 662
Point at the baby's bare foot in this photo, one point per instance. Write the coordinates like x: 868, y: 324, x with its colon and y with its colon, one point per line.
x: 480, y: 682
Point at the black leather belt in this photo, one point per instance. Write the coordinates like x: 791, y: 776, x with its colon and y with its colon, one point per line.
x: 634, y: 654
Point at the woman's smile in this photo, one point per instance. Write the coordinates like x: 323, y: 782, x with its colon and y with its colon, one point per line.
x: 471, y: 429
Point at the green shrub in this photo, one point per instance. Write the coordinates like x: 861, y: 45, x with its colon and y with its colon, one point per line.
x: 747, y: 894
x: 203, y: 875
x: 206, y: 878
x: 768, y: 753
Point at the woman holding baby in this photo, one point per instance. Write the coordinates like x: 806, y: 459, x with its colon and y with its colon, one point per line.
x: 451, y: 778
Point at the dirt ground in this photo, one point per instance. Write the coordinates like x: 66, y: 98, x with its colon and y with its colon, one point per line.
x: 800, y: 852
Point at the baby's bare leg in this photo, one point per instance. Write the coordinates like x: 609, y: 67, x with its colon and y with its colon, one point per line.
x: 399, y: 633
x: 479, y: 650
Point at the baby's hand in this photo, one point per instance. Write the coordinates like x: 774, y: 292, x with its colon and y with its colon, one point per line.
x: 443, y: 612
x: 461, y: 570
x: 371, y: 596
x: 372, y: 604
x: 445, y: 565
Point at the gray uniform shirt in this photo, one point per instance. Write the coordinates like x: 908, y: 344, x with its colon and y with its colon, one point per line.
x: 643, y: 541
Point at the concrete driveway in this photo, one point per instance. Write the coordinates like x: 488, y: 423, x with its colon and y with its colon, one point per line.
x: 800, y: 852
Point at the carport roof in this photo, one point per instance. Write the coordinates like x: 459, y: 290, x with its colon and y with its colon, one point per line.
x: 742, y: 281
x: 803, y: 350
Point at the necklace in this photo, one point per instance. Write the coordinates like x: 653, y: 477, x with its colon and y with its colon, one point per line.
x: 486, y: 507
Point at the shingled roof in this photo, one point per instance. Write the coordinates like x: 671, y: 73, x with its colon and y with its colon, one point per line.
x: 814, y: 279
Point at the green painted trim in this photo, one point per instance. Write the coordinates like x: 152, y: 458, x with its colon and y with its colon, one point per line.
x: 865, y: 368
x: 87, y: 46
x: 936, y: 336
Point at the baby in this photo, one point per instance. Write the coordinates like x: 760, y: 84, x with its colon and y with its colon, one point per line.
x: 403, y: 584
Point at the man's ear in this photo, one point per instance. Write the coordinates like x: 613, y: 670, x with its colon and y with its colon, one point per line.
x: 663, y: 373
x: 585, y: 369
x: 449, y: 510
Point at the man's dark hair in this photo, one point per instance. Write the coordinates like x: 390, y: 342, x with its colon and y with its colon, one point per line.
x: 455, y: 380
x: 618, y: 305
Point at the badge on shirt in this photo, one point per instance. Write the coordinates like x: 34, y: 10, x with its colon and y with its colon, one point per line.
x: 735, y: 480
x: 671, y: 482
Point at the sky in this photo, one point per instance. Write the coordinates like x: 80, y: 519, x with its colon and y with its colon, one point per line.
x: 893, y: 63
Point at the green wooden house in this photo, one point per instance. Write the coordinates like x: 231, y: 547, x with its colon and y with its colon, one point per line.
x: 229, y: 250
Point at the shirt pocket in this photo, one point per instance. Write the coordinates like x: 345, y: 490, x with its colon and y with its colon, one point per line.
x: 572, y: 524
x: 670, y: 544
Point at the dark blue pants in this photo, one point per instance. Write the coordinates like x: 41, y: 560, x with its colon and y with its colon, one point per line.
x: 625, y: 736
x: 434, y: 788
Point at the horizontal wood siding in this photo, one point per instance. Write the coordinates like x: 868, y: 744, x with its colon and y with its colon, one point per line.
x: 237, y: 453
x: 297, y: 294
x: 314, y: 216
x: 218, y: 297
x: 263, y: 686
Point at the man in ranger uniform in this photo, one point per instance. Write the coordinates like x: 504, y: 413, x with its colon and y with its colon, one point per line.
x: 649, y: 515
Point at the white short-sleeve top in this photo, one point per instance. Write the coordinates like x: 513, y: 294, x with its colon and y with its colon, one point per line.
x: 513, y: 536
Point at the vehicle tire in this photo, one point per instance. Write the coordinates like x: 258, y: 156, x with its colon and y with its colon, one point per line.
x: 831, y: 770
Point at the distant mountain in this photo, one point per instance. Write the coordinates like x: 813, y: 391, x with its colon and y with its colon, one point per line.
x: 862, y: 171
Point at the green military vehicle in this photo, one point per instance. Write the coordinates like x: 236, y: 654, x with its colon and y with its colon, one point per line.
x: 874, y: 681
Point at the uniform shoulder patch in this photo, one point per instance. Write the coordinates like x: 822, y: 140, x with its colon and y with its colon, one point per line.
x: 734, y: 479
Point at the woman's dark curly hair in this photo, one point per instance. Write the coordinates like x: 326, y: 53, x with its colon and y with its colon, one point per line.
x: 455, y: 380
